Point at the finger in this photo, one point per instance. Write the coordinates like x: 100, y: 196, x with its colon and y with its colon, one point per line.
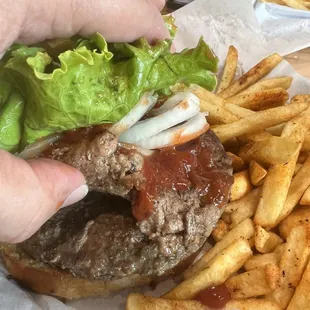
x: 32, y: 192
x: 160, y: 4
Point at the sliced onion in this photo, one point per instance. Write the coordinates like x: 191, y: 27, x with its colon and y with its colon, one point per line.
x: 170, y: 103
x: 188, y: 131
x: 181, y: 112
x: 34, y: 149
x: 141, y: 108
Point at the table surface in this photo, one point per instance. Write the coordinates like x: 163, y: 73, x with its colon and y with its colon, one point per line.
x: 300, y: 61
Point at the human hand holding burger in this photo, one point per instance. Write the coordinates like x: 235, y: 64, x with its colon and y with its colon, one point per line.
x: 33, y: 190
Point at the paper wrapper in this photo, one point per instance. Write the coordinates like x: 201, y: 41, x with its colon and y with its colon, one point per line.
x: 222, y: 23
x: 286, y: 30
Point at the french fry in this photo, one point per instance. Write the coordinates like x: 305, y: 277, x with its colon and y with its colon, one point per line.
x: 252, y: 76
x: 299, y: 217
x: 301, y: 98
x: 292, y: 265
x: 261, y: 100
x: 302, y: 157
x: 280, y: 249
x: 206, y: 96
x: 229, y: 69
x: 237, y: 162
x: 283, y: 82
x: 301, y: 298
x: 297, y: 168
x: 217, y: 114
x: 295, y: 4
x: 241, y: 186
x: 278, y: 180
x: 232, y: 145
x: 298, y: 186
x: 259, y: 121
x: 140, y: 302
x: 305, y: 199
x: 272, y: 151
x: 244, y: 230
x: 276, y: 130
x: 251, y: 304
x: 306, y: 144
x: 256, y: 282
x: 217, y: 272
x: 226, y: 218
x: 257, y: 173
x: 220, y: 230
x: 280, y: 2
x: 246, y: 207
x: 265, y: 241
x: 251, y: 199
x: 260, y: 260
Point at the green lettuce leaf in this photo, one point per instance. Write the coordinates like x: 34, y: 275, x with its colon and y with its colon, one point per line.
x: 94, y: 82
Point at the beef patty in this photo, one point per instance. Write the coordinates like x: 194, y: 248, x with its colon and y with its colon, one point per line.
x: 146, y: 220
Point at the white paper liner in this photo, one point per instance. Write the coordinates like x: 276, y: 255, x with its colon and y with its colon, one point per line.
x: 222, y: 23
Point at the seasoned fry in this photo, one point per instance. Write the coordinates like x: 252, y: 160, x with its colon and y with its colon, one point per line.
x: 283, y: 82
x: 246, y: 207
x: 241, y: 186
x: 206, y: 96
x: 140, y: 302
x: 292, y: 265
x: 257, y: 173
x: 251, y: 304
x: 306, y: 144
x: 305, y: 199
x: 217, y: 114
x: 272, y: 151
x: 299, y: 185
x: 302, y: 157
x: 250, y: 199
x: 260, y: 260
x: 276, y: 130
x: 229, y: 69
x: 226, y: 218
x: 237, y: 162
x: 301, y: 98
x: 217, y: 272
x: 259, y: 121
x: 261, y: 100
x: 252, y: 76
x: 301, y: 298
x: 244, y: 230
x: 295, y: 4
x: 297, y: 168
x: 280, y: 2
x: 265, y: 241
x: 256, y: 282
x: 299, y: 217
x: 278, y: 180
x: 220, y: 230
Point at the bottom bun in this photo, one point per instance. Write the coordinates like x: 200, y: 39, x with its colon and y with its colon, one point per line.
x: 43, y: 279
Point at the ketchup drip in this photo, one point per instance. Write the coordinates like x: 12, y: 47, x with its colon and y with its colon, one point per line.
x: 185, y: 167
x: 215, y: 297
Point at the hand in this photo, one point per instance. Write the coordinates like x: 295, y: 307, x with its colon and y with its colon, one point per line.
x: 32, y: 191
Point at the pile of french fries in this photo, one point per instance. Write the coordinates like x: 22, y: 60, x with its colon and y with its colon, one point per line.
x: 262, y: 241
x: 294, y: 4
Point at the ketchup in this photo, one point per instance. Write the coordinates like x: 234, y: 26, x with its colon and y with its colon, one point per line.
x: 215, y: 296
x: 185, y: 167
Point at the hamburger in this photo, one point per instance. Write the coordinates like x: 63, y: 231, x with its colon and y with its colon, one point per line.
x: 126, y: 116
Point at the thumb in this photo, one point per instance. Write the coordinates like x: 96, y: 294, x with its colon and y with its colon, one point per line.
x: 32, y: 192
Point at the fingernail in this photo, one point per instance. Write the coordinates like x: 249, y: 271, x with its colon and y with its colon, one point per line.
x: 78, y: 194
